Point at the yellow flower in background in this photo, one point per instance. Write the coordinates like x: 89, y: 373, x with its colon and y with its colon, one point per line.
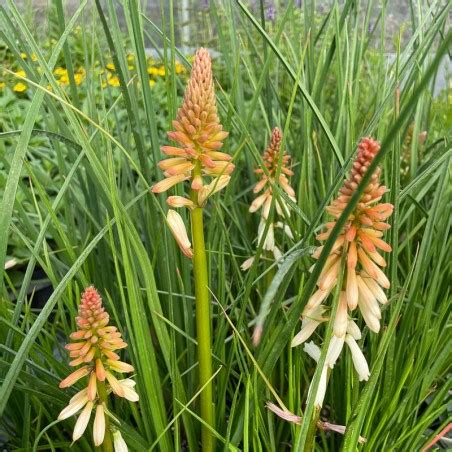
x: 60, y: 71
x: 78, y: 78
x: 151, y: 83
x: 64, y: 80
x: 110, y: 67
x: 2, y: 85
x: 20, y: 87
x: 80, y: 75
x: 130, y: 57
x: 21, y: 73
x: 25, y: 56
x: 179, y: 68
x: 113, y: 81
x: 161, y: 70
x: 63, y: 76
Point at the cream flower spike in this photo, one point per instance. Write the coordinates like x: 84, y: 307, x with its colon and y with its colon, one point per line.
x: 364, y: 281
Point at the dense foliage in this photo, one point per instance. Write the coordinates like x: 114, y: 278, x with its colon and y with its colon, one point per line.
x: 84, y: 110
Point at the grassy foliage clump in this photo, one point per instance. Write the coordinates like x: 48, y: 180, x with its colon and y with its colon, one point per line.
x: 84, y: 110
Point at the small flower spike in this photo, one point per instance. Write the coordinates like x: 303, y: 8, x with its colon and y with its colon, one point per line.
x: 199, y: 137
x: 263, y: 202
x: 94, y: 345
x: 364, y: 281
x: 271, y: 161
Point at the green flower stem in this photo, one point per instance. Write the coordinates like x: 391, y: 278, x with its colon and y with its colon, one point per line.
x: 107, y: 445
x: 202, y: 320
x: 310, y: 439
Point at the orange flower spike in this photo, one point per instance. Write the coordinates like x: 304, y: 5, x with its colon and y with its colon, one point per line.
x: 95, y: 339
x: 196, y: 156
x: 271, y: 159
x: 96, y: 342
x: 362, y: 233
x: 198, y: 132
x: 363, y: 281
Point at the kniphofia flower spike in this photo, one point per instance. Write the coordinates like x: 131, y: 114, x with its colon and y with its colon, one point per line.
x: 199, y: 137
x: 93, y: 348
x: 263, y: 202
x: 271, y: 161
x: 364, y: 281
x: 197, y: 158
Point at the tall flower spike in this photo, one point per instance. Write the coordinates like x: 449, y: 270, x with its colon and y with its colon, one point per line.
x: 197, y: 158
x: 271, y: 159
x: 93, y: 347
x: 198, y: 134
x: 361, y: 241
x: 199, y: 137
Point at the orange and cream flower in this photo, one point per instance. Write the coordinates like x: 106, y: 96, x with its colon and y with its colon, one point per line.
x: 271, y: 159
x: 196, y: 157
x: 93, y: 347
x: 362, y: 243
x: 177, y: 227
x: 199, y: 137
